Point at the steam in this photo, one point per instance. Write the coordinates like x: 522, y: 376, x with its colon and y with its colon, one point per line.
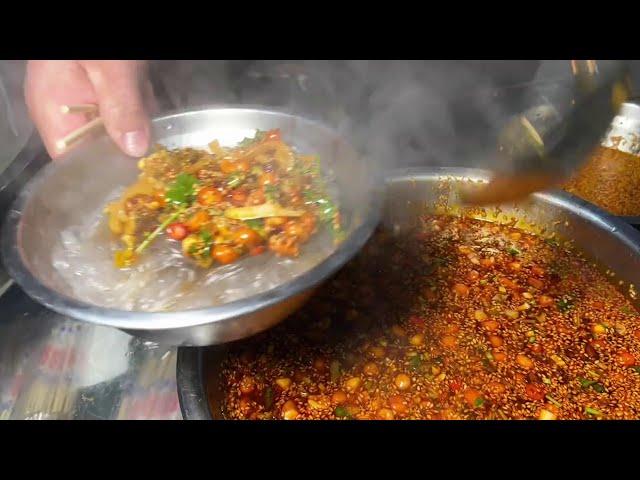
x: 399, y: 113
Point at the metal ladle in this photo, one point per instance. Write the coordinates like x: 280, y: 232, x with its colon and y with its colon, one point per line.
x: 540, y: 147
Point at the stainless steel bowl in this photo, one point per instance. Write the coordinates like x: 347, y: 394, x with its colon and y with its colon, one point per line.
x: 74, y: 186
x: 624, y: 135
x: 606, y: 239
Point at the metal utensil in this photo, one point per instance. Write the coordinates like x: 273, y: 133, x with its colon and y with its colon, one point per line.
x: 539, y: 147
x: 79, y: 183
x: 604, y: 238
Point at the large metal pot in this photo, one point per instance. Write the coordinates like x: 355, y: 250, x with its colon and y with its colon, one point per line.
x: 624, y: 135
x: 73, y: 187
x: 606, y: 239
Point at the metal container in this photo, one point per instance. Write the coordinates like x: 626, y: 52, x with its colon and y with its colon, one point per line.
x: 624, y: 135
x: 78, y: 184
x: 624, y: 132
x: 605, y: 177
x: 604, y: 238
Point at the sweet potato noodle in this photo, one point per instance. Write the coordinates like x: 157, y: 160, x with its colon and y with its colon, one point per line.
x: 460, y: 319
x: 203, y: 227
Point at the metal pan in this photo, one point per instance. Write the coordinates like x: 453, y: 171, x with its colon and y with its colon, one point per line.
x: 606, y: 239
x: 624, y: 135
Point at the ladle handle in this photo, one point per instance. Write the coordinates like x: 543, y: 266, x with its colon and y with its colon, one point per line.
x: 556, y: 135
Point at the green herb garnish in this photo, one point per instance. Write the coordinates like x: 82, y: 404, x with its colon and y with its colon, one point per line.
x: 627, y: 310
x: 415, y: 362
x: 636, y: 368
x: 514, y: 251
x: 564, y: 304
x: 593, y: 411
x: 257, y: 225
x: 147, y: 241
x: 207, y: 238
x: 247, y: 141
x: 488, y: 365
x: 597, y: 386
x: 341, y: 412
x: 553, y: 401
x: 271, y: 192
x: 309, y: 167
x: 326, y: 209
x: 479, y: 402
x: 182, y: 190
x: 584, y: 383
x: 235, y: 179
x: 552, y: 241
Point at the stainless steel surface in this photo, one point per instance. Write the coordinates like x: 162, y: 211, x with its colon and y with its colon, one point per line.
x: 78, y: 184
x: 624, y: 135
x: 624, y: 132
x: 52, y: 367
x: 604, y: 238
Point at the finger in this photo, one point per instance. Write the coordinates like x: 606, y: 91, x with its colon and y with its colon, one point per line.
x: 119, y: 86
x: 150, y: 99
x: 49, y: 85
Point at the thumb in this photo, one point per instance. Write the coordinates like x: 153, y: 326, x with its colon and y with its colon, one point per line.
x: 119, y: 86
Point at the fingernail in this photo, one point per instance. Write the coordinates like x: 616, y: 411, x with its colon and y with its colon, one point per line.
x: 135, y: 143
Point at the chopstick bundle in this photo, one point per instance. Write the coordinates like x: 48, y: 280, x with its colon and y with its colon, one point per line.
x: 94, y: 125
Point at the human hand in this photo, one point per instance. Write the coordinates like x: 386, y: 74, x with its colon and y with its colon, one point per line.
x: 120, y: 88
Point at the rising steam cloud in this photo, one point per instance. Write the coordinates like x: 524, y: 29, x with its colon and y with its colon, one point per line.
x: 400, y: 113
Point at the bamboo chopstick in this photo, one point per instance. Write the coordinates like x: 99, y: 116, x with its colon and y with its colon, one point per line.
x: 75, y: 136
x: 84, y: 108
x: 78, y: 134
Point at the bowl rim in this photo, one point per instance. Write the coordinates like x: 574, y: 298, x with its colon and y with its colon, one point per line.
x: 191, y: 384
x: 156, y: 321
x: 618, y: 226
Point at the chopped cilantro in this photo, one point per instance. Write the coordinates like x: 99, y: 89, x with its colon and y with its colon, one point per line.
x: 182, y: 190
